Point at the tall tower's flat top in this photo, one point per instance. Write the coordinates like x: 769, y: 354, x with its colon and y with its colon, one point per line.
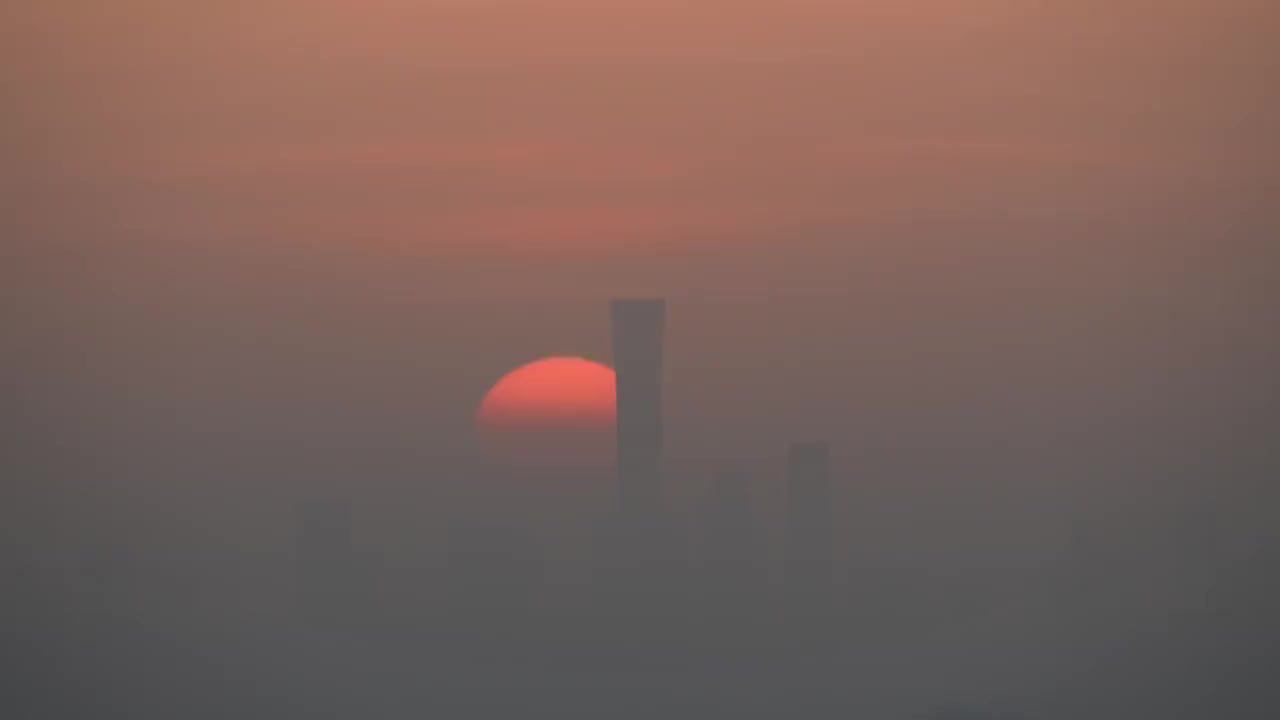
x: 808, y: 452
x: 638, y: 328
x: 638, y: 306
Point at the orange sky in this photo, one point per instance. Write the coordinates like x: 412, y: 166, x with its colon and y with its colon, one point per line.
x: 534, y: 126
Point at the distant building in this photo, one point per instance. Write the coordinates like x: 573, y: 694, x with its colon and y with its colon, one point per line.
x: 326, y: 556
x: 810, y: 527
x: 325, y: 528
x: 731, y: 543
x: 494, y: 572
x: 638, y: 329
x: 640, y: 564
x: 640, y: 561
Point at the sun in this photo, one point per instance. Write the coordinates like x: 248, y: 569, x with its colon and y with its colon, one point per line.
x: 554, y: 392
x: 558, y: 410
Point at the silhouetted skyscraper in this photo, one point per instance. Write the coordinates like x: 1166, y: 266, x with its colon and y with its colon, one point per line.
x: 638, y: 328
x: 809, y: 519
x: 640, y: 559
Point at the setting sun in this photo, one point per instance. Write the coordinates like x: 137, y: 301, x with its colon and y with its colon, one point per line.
x: 551, y: 413
x: 552, y: 393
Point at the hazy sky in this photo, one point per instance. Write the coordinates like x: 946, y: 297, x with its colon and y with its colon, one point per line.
x: 248, y: 233
x: 474, y: 128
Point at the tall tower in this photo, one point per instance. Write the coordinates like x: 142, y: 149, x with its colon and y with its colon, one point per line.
x: 809, y: 519
x: 638, y: 328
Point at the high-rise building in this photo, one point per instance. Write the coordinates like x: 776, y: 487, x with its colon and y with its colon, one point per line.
x: 809, y: 518
x: 640, y: 559
x: 638, y: 328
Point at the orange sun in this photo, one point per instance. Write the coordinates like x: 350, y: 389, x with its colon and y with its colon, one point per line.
x: 554, y: 411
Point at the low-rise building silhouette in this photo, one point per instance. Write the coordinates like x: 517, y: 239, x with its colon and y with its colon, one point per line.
x: 731, y: 566
x: 810, y: 523
x: 327, y: 568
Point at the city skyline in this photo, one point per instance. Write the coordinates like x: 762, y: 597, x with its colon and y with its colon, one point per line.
x: 651, y: 359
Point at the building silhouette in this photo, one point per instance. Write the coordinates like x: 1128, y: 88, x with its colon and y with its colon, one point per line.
x: 640, y: 561
x: 493, y: 573
x: 638, y: 328
x: 809, y: 520
x: 326, y: 557
x: 731, y: 568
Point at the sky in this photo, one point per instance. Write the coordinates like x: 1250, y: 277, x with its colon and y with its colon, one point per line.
x: 463, y: 129
x: 269, y: 232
